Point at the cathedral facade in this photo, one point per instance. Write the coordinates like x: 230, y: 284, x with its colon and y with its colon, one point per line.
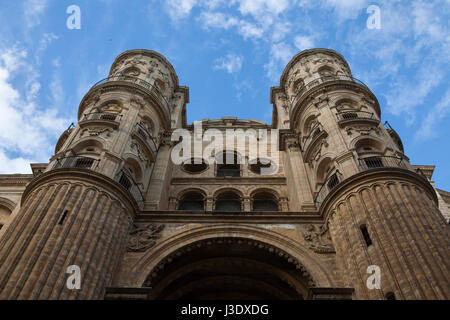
x: 326, y: 206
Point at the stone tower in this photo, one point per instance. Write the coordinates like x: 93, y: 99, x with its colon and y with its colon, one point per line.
x: 344, y: 199
x: 79, y: 211
x: 378, y: 209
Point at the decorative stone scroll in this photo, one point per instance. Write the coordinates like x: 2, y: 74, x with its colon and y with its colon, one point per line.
x: 144, y: 237
x: 318, y: 239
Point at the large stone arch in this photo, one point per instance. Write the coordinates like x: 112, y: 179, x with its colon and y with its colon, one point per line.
x: 307, y: 263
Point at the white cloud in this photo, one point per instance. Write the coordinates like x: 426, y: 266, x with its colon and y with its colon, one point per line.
x: 25, y: 129
x: 33, y: 10
x: 230, y: 63
x: 303, y: 42
x: 179, y: 9
x: 346, y: 9
x: 217, y: 20
x: 438, y: 113
x: 280, y: 54
x: 258, y: 8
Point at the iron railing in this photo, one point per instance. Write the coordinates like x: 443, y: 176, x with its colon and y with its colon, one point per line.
x: 323, y: 79
x: 78, y: 162
x: 381, y: 162
x: 365, y: 164
x: 143, y: 133
x: 331, y: 183
x: 142, y: 83
x: 316, y: 131
x: 128, y: 183
x: 355, y: 115
x: 102, y: 116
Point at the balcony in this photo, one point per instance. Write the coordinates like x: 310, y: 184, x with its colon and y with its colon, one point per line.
x: 141, y: 133
x: 152, y: 89
x: 86, y: 163
x: 130, y: 185
x: 323, y: 79
x: 394, y: 135
x: 365, y: 164
x: 101, y: 118
x: 332, y: 182
x: 317, y: 134
x: 78, y: 162
x: 381, y: 162
x: 346, y: 117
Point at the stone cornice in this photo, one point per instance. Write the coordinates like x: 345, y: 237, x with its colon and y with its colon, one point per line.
x: 19, y: 180
x: 278, y: 218
x: 306, y: 53
x: 148, y: 53
x: 73, y: 174
x: 326, y: 87
x: 225, y: 180
x: 375, y: 176
x: 130, y: 87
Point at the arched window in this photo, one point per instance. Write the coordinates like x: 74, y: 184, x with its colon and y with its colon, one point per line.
x: 192, y: 201
x: 228, y: 201
x: 265, y: 201
x: 193, y: 166
x: 228, y: 165
x: 326, y: 71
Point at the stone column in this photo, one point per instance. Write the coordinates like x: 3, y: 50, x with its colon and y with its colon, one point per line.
x: 66, y: 219
x: 157, y: 192
x: 410, y: 239
x: 298, y: 177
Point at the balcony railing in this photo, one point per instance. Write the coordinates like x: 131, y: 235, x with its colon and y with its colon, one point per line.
x: 381, y: 162
x: 323, y: 79
x: 345, y: 116
x: 77, y: 162
x: 331, y: 183
x: 143, y: 134
x: 102, y: 116
x: 315, y: 132
x: 142, y: 83
x: 365, y: 164
x: 129, y: 184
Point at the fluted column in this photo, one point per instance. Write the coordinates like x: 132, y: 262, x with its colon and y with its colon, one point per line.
x: 410, y: 240
x: 62, y: 222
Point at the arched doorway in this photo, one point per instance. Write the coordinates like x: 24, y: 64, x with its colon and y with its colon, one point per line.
x: 229, y: 268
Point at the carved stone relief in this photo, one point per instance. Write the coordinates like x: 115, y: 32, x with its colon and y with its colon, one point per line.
x: 318, y: 239
x: 138, y: 150
x: 144, y: 237
x: 364, y: 131
x: 96, y: 132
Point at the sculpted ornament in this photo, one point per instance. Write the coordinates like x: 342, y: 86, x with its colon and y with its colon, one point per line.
x: 318, y: 239
x: 364, y: 131
x: 137, y: 149
x: 96, y: 132
x: 111, y: 108
x: 144, y: 237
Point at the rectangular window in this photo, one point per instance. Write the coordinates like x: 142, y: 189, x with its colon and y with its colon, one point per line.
x: 61, y: 221
x: 366, y: 235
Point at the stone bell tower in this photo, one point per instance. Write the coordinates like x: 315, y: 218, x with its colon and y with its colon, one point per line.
x: 346, y: 164
x: 105, y: 169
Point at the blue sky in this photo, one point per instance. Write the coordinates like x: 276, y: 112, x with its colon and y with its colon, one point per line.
x: 229, y: 53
